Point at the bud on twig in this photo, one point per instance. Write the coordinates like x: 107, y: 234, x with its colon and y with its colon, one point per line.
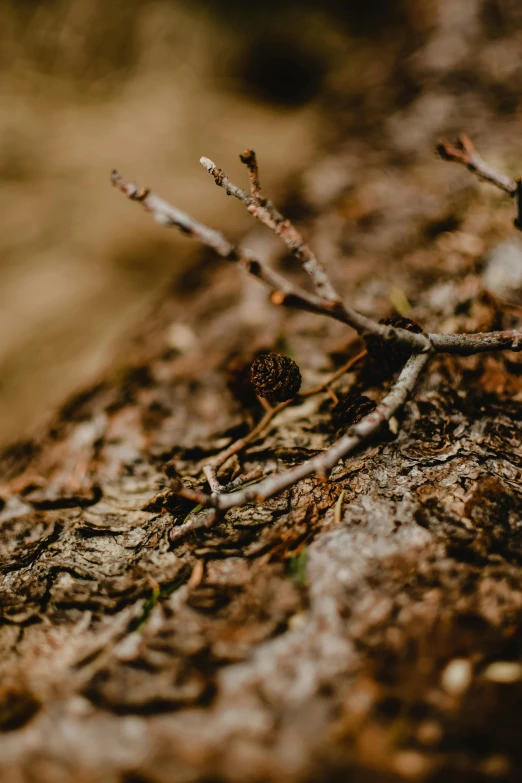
x: 275, y: 377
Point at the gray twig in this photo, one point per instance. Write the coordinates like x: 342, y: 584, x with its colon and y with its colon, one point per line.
x: 271, y: 413
x: 284, y: 292
x: 171, y: 217
x: 463, y: 151
x: 325, y: 302
x: 480, y: 342
x: 214, y: 484
x: 324, y: 462
x: 244, y: 478
x: 195, y: 522
x: 266, y: 212
x: 287, y: 293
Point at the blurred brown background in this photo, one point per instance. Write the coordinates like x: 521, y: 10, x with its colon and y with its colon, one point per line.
x: 149, y: 86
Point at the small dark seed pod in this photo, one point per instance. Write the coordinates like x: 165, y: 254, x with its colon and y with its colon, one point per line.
x: 275, y: 377
x: 391, y: 356
x: 350, y: 409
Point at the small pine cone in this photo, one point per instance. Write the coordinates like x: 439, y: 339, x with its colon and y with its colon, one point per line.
x: 350, y: 409
x: 237, y: 378
x: 275, y: 377
x: 391, y: 356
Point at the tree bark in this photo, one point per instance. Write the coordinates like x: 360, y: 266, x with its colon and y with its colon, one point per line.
x: 365, y: 628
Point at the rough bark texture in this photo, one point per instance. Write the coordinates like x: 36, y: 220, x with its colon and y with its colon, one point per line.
x: 307, y: 637
x: 345, y: 629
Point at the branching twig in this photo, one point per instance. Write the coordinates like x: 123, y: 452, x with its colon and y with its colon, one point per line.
x: 325, y: 302
x: 266, y: 212
x: 194, y: 523
x: 289, y: 294
x: 271, y: 413
x: 284, y: 291
x: 167, y: 215
x: 463, y: 151
x: 324, y: 462
x: 244, y: 478
x: 215, y: 485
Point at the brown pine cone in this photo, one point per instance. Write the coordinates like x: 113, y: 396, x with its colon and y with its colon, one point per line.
x: 350, y: 409
x: 391, y: 356
x: 275, y: 377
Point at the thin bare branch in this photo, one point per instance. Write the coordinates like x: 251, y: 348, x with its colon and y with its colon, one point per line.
x: 197, y: 496
x: 244, y: 478
x: 325, y: 302
x: 171, y: 217
x: 195, y: 522
x: 242, y: 443
x: 250, y: 160
x: 417, y: 343
x: 167, y: 215
x: 480, y: 342
x: 284, y: 292
x: 271, y: 413
x: 324, y: 462
x: 337, y: 374
x: 210, y: 473
x: 222, y: 181
x: 266, y: 212
x: 463, y: 151
x: 215, y: 485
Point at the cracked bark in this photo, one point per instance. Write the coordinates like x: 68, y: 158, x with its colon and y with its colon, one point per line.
x: 307, y: 638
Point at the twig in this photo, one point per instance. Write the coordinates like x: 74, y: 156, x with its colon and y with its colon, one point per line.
x: 337, y: 374
x: 264, y: 404
x: 271, y: 413
x: 250, y: 161
x: 325, y: 302
x: 210, y: 473
x: 287, y: 293
x: 193, y: 524
x: 241, y: 443
x: 216, y: 486
x: 167, y: 215
x: 324, y: 462
x: 244, y: 478
x: 266, y: 212
x: 284, y: 292
x: 480, y: 342
x: 171, y: 217
x: 463, y: 151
